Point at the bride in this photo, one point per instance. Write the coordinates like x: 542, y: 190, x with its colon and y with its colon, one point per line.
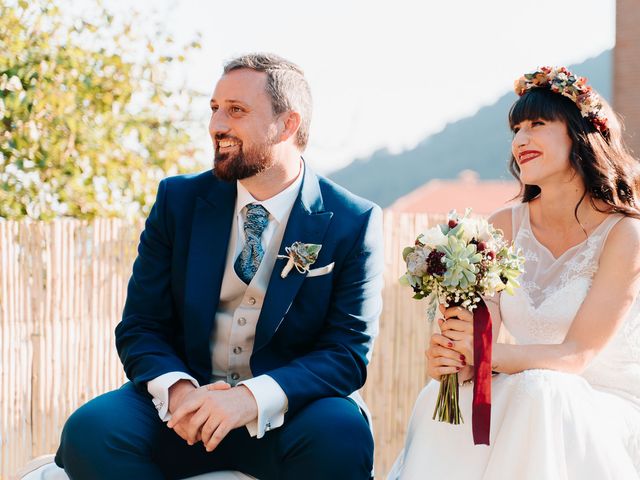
x: 566, y: 400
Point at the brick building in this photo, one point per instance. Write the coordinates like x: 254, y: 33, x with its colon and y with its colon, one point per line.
x: 626, y: 70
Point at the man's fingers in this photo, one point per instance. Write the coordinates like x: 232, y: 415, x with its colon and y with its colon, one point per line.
x: 217, y: 437
x: 186, y: 408
x: 194, y: 424
x: 208, y: 428
x: 219, y: 385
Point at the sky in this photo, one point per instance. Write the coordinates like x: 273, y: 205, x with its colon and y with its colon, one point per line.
x: 384, y: 74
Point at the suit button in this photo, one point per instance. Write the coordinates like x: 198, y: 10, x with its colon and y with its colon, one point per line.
x: 235, y: 376
x: 237, y: 350
x: 242, y: 321
x: 251, y: 301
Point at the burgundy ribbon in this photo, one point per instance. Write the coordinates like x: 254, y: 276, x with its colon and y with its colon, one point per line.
x: 482, y: 341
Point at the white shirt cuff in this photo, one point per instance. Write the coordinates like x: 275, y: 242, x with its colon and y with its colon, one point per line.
x: 272, y: 404
x: 158, y: 388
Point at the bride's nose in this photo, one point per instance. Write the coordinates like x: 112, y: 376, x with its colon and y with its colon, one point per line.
x: 520, y: 139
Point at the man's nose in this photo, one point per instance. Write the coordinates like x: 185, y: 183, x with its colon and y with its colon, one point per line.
x: 218, y: 122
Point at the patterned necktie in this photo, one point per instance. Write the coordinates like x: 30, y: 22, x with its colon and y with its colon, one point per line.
x: 251, y: 255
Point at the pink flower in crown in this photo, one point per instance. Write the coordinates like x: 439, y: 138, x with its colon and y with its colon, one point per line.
x: 561, y: 80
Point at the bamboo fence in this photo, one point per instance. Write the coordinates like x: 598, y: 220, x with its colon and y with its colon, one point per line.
x: 62, y: 289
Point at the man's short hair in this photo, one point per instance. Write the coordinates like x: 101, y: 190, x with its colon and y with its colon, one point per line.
x: 286, y: 85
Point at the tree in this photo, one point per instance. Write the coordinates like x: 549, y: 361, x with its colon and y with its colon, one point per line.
x: 87, y: 124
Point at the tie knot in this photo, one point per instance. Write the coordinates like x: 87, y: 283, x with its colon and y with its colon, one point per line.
x: 256, y: 220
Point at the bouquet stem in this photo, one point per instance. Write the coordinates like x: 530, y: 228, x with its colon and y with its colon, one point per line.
x: 447, y: 405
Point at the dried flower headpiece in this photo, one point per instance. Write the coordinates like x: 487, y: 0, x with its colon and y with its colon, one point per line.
x: 562, y: 81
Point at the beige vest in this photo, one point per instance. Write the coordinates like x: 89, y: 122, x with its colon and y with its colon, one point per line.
x: 237, y: 316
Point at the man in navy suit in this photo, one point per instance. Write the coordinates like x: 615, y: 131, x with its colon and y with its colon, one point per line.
x: 237, y: 332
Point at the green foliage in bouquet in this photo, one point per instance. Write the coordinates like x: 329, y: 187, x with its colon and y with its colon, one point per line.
x: 458, y: 262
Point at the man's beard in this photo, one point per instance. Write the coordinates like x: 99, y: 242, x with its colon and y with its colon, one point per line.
x: 243, y: 164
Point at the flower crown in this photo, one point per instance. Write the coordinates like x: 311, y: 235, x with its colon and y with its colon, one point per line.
x: 562, y: 81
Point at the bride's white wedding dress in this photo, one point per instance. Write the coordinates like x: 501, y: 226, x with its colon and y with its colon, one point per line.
x: 544, y: 424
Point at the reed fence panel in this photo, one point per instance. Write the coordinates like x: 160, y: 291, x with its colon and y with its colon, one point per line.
x: 62, y: 289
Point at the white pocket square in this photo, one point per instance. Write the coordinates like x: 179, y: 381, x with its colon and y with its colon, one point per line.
x: 316, y: 272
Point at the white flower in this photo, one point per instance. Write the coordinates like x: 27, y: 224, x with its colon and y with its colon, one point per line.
x: 492, y: 281
x: 477, y: 228
x: 433, y: 238
x: 417, y: 262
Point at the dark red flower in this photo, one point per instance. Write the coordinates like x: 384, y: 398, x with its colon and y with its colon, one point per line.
x: 434, y: 263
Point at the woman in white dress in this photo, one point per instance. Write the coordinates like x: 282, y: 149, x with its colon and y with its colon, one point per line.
x: 566, y: 400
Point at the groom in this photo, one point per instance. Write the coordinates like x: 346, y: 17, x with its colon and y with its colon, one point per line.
x: 252, y: 368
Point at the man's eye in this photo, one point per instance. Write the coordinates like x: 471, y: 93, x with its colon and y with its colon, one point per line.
x: 537, y: 122
x: 236, y: 109
x: 214, y: 108
x: 515, y: 130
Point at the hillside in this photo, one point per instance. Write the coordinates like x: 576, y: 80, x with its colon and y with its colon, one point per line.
x: 480, y: 142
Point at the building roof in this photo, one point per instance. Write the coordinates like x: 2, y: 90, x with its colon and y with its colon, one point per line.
x: 467, y: 191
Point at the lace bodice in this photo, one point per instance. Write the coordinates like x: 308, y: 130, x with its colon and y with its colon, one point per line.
x: 552, y: 291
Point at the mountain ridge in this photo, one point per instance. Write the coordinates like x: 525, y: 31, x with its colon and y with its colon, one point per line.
x: 485, y: 148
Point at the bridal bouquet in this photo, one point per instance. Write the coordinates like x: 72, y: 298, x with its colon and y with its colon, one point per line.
x: 456, y: 264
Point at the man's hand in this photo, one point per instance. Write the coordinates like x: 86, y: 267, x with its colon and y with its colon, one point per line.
x: 216, y: 411
x: 179, y: 392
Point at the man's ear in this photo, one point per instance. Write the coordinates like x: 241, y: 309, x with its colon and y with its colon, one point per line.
x: 290, y: 125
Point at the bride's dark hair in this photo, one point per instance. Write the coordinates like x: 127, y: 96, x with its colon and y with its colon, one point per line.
x: 606, y: 166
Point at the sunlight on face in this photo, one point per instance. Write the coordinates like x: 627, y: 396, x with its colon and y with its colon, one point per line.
x: 542, y: 149
x: 242, y: 125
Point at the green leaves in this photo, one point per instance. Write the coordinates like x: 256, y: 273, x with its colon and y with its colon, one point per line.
x: 86, y: 130
x: 460, y: 260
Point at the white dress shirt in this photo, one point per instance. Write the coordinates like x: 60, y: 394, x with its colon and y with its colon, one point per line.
x: 270, y: 398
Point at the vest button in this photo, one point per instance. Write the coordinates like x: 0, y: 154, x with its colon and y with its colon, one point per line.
x: 242, y: 321
x: 251, y: 301
x: 237, y: 350
x: 235, y: 376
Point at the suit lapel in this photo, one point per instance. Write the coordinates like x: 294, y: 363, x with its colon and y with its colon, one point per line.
x: 308, y: 223
x: 210, y: 233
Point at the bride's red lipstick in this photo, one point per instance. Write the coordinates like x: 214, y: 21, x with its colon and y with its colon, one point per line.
x: 528, y: 155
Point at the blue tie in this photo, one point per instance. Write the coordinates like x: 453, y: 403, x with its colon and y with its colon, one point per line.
x: 247, y: 263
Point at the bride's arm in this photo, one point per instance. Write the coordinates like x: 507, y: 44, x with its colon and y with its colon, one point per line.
x: 614, y: 289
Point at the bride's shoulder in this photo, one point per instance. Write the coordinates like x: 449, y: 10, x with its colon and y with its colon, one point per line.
x: 620, y: 257
x: 502, y: 220
x: 624, y: 234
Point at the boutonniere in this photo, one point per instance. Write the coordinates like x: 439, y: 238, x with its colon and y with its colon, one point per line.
x: 300, y: 255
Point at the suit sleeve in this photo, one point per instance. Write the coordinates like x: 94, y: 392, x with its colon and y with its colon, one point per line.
x: 337, y: 365
x: 144, y: 336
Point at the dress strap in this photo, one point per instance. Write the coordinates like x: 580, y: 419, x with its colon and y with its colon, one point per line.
x: 605, y: 228
x: 518, y: 213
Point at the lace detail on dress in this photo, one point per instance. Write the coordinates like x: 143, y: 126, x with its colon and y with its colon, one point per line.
x: 584, y: 264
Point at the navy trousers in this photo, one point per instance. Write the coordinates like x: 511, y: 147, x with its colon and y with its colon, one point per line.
x: 119, y: 435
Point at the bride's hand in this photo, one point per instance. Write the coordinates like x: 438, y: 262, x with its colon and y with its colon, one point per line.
x: 441, y: 359
x: 457, y: 327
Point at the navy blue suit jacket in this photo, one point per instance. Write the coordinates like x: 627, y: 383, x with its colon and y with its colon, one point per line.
x: 313, y: 335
